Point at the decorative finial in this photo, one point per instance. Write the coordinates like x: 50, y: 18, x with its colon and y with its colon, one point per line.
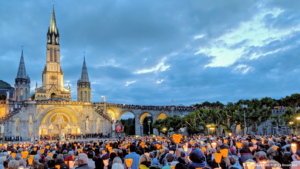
x: 53, y: 3
x: 22, y: 47
x: 84, y: 54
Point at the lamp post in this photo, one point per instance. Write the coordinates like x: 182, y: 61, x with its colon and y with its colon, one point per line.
x: 291, y: 123
x: 298, y: 118
x: 149, y: 121
x: 244, y: 107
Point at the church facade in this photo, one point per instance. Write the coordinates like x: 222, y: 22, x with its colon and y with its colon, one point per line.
x: 52, y: 112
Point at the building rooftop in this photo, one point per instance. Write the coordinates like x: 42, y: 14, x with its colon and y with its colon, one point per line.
x: 4, y: 85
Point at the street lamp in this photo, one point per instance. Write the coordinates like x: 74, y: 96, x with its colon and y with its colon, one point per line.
x: 149, y: 121
x: 244, y: 107
x: 298, y: 118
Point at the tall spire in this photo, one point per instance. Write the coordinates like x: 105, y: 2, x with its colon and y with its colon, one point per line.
x: 53, y: 34
x: 53, y: 28
x: 22, y: 70
x: 84, y: 73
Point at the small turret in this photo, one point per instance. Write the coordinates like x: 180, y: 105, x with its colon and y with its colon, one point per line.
x: 84, y: 85
x: 22, y: 82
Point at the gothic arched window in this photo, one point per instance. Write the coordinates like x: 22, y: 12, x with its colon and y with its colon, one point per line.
x: 85, y: 96
x: 51, y: 55
x: 55, y: 59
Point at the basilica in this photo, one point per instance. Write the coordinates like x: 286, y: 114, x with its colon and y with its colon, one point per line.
x: 52, y: 111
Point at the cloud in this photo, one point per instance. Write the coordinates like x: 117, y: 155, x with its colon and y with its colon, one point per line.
x: 209, y: 51
x: 242, y: 68
x: 160, y: 67
x: 159, y: 81
x: 198, y: 36
x: 110, y: 62
x: 253, y: 33
x: 128, y: 83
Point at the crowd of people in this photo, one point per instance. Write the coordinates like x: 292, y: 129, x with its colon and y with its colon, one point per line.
x: 147, y: 107
x: 75, y: 136
x: 176, y: 152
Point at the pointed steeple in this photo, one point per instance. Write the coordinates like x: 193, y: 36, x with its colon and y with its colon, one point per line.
x: 22, y: 71
x: 52, y: 27
x: 84, y: 73
x: 53, y: 35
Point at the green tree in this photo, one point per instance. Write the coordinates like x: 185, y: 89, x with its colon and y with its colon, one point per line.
x: 194, y: 120
x: 217, y: 105
x: 291, y: 114
x: 2, y: 97
x: 129, y: 129
x: 33, y: 96
x: 258, y: 111
x: 175, y: 122
x: 233, y: 116
x: 161, y: 126
x: 290, y: 118
x: 292, y: 101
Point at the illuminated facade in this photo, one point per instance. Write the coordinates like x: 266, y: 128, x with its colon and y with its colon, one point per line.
x: 53, y: 76
x: 53, y: 111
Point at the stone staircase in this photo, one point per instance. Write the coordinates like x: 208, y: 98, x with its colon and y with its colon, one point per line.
x: 11, y: 114
x: 101, y: 113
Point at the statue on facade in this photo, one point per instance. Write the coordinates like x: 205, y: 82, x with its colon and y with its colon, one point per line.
x: 7, y: 95
x: 59, y: 119
x: 30, y: 127
x: 87, y: 124
x: 17, y: 126
x: 113, y: 125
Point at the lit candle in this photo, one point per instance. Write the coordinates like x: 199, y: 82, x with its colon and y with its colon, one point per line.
x: 214, y: 145
x: 71, y: 164
x: 294, y: 147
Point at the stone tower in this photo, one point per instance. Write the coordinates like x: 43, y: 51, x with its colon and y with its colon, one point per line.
x: 53, y: 77
x: 84, y: 85
x: 22, y: 82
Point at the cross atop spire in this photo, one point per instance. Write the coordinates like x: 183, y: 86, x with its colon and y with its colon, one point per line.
x: 22, y: 70
x: 84, y: 73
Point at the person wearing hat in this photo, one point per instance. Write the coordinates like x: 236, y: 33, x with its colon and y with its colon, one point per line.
x: 197, y: 158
